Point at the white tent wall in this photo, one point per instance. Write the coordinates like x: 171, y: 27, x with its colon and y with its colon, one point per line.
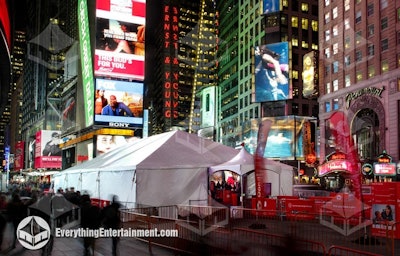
x: 97, y: 184
x: 172, y: 186
x: 281, y: 182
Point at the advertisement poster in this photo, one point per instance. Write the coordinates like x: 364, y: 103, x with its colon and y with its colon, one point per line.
x: 120, y: 39
x: 272, y: 72
x: 106, y: 143
x: 309, y: 75
x: 19, y: 155
x: 118, y: 103
x: 47, y: 149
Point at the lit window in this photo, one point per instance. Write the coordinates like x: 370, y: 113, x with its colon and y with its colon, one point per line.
x: 347, y: 60
x: 295, y: 42
x: 335, y: 104
x: 295, y: 74
x: 347, y: 42
x: 304, y: 23
x: 327, y: 2
x: 327, y: 107
x: 347, y: 23
x: 359, y: 76
x: 385, y: 66
x: 327, y: 35
x: 314, y: 25
x: 358, y: 37
x: 347, y: 81
x: 327, y: 53
x: 335, y: 48
x: 327, y: 17
x: 335, y: 31
x: 295, y: 22
x: 335, y: 84
x: 328, y: 88
x: 335, y: 13
x: 335, y: 66
x: 304, y: 7
x: 346, y: 5
x: 371, y: 71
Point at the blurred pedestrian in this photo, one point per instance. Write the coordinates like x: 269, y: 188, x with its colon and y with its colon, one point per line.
x: 90, y: 218
x: 111, y: 220
x: 17, y: 211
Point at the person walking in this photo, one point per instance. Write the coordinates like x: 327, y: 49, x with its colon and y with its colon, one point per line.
x: 111, y: 219
x: 17, y: 212
x: 90, y: 218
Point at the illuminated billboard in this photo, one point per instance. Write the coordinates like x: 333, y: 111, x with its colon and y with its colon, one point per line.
x: 19, y: 155
x: 272, y: 72
x: 118, y: 103
x: 271, y: 6
x: 288, y: 138
x: 47, y: 149
x: 106, y: 143
x: 309, y: 75
x: 120, y: 39
x: 86, y: 61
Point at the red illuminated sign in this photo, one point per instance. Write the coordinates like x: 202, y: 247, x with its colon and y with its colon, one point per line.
x: 333, y: 166
x: 171, y: 63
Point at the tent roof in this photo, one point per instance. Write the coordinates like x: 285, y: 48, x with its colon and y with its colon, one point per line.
x: 243, y: 163
x: 175, y: 149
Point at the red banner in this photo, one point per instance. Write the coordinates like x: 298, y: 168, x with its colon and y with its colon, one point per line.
x: 263, y: 131
x: 340, y: 129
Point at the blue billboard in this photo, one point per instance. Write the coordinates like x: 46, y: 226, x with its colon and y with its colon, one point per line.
x: 118, y: 103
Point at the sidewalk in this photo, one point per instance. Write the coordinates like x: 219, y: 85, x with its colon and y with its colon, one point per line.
x: 74, y: 247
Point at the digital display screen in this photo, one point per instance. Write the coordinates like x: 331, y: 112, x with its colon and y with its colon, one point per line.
x: 385, y: 169
x: 120, y: 39
x: 118, y: 103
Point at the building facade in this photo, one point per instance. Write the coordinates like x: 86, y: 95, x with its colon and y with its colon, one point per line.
x: 359, y: 74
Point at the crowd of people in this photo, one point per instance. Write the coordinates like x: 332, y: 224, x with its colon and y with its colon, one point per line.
x: 22, y: 201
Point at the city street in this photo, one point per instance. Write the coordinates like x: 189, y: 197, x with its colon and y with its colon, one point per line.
x: 72, y: 247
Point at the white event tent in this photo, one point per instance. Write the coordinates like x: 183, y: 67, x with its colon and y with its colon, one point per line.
x: 164, y: 169
x: 278, y: 174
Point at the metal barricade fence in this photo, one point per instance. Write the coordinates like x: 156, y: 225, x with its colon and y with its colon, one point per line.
x: 204, y: 229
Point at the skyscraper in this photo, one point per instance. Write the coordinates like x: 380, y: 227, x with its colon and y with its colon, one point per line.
x: 245, y: 26
x: 187, y: 62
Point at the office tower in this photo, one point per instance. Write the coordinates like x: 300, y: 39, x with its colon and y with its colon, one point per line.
x: 245, y: 25
x: 182, y: 60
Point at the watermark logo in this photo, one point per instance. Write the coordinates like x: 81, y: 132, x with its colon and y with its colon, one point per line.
x: 33, y: 232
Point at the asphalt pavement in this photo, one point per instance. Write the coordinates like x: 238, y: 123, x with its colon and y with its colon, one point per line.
x: 74, y: 247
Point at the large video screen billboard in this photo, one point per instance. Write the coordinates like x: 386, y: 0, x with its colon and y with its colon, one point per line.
x: 288, y: 139
x: 118, y: 103
x: 272, y: 72
x: 120, y: 39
